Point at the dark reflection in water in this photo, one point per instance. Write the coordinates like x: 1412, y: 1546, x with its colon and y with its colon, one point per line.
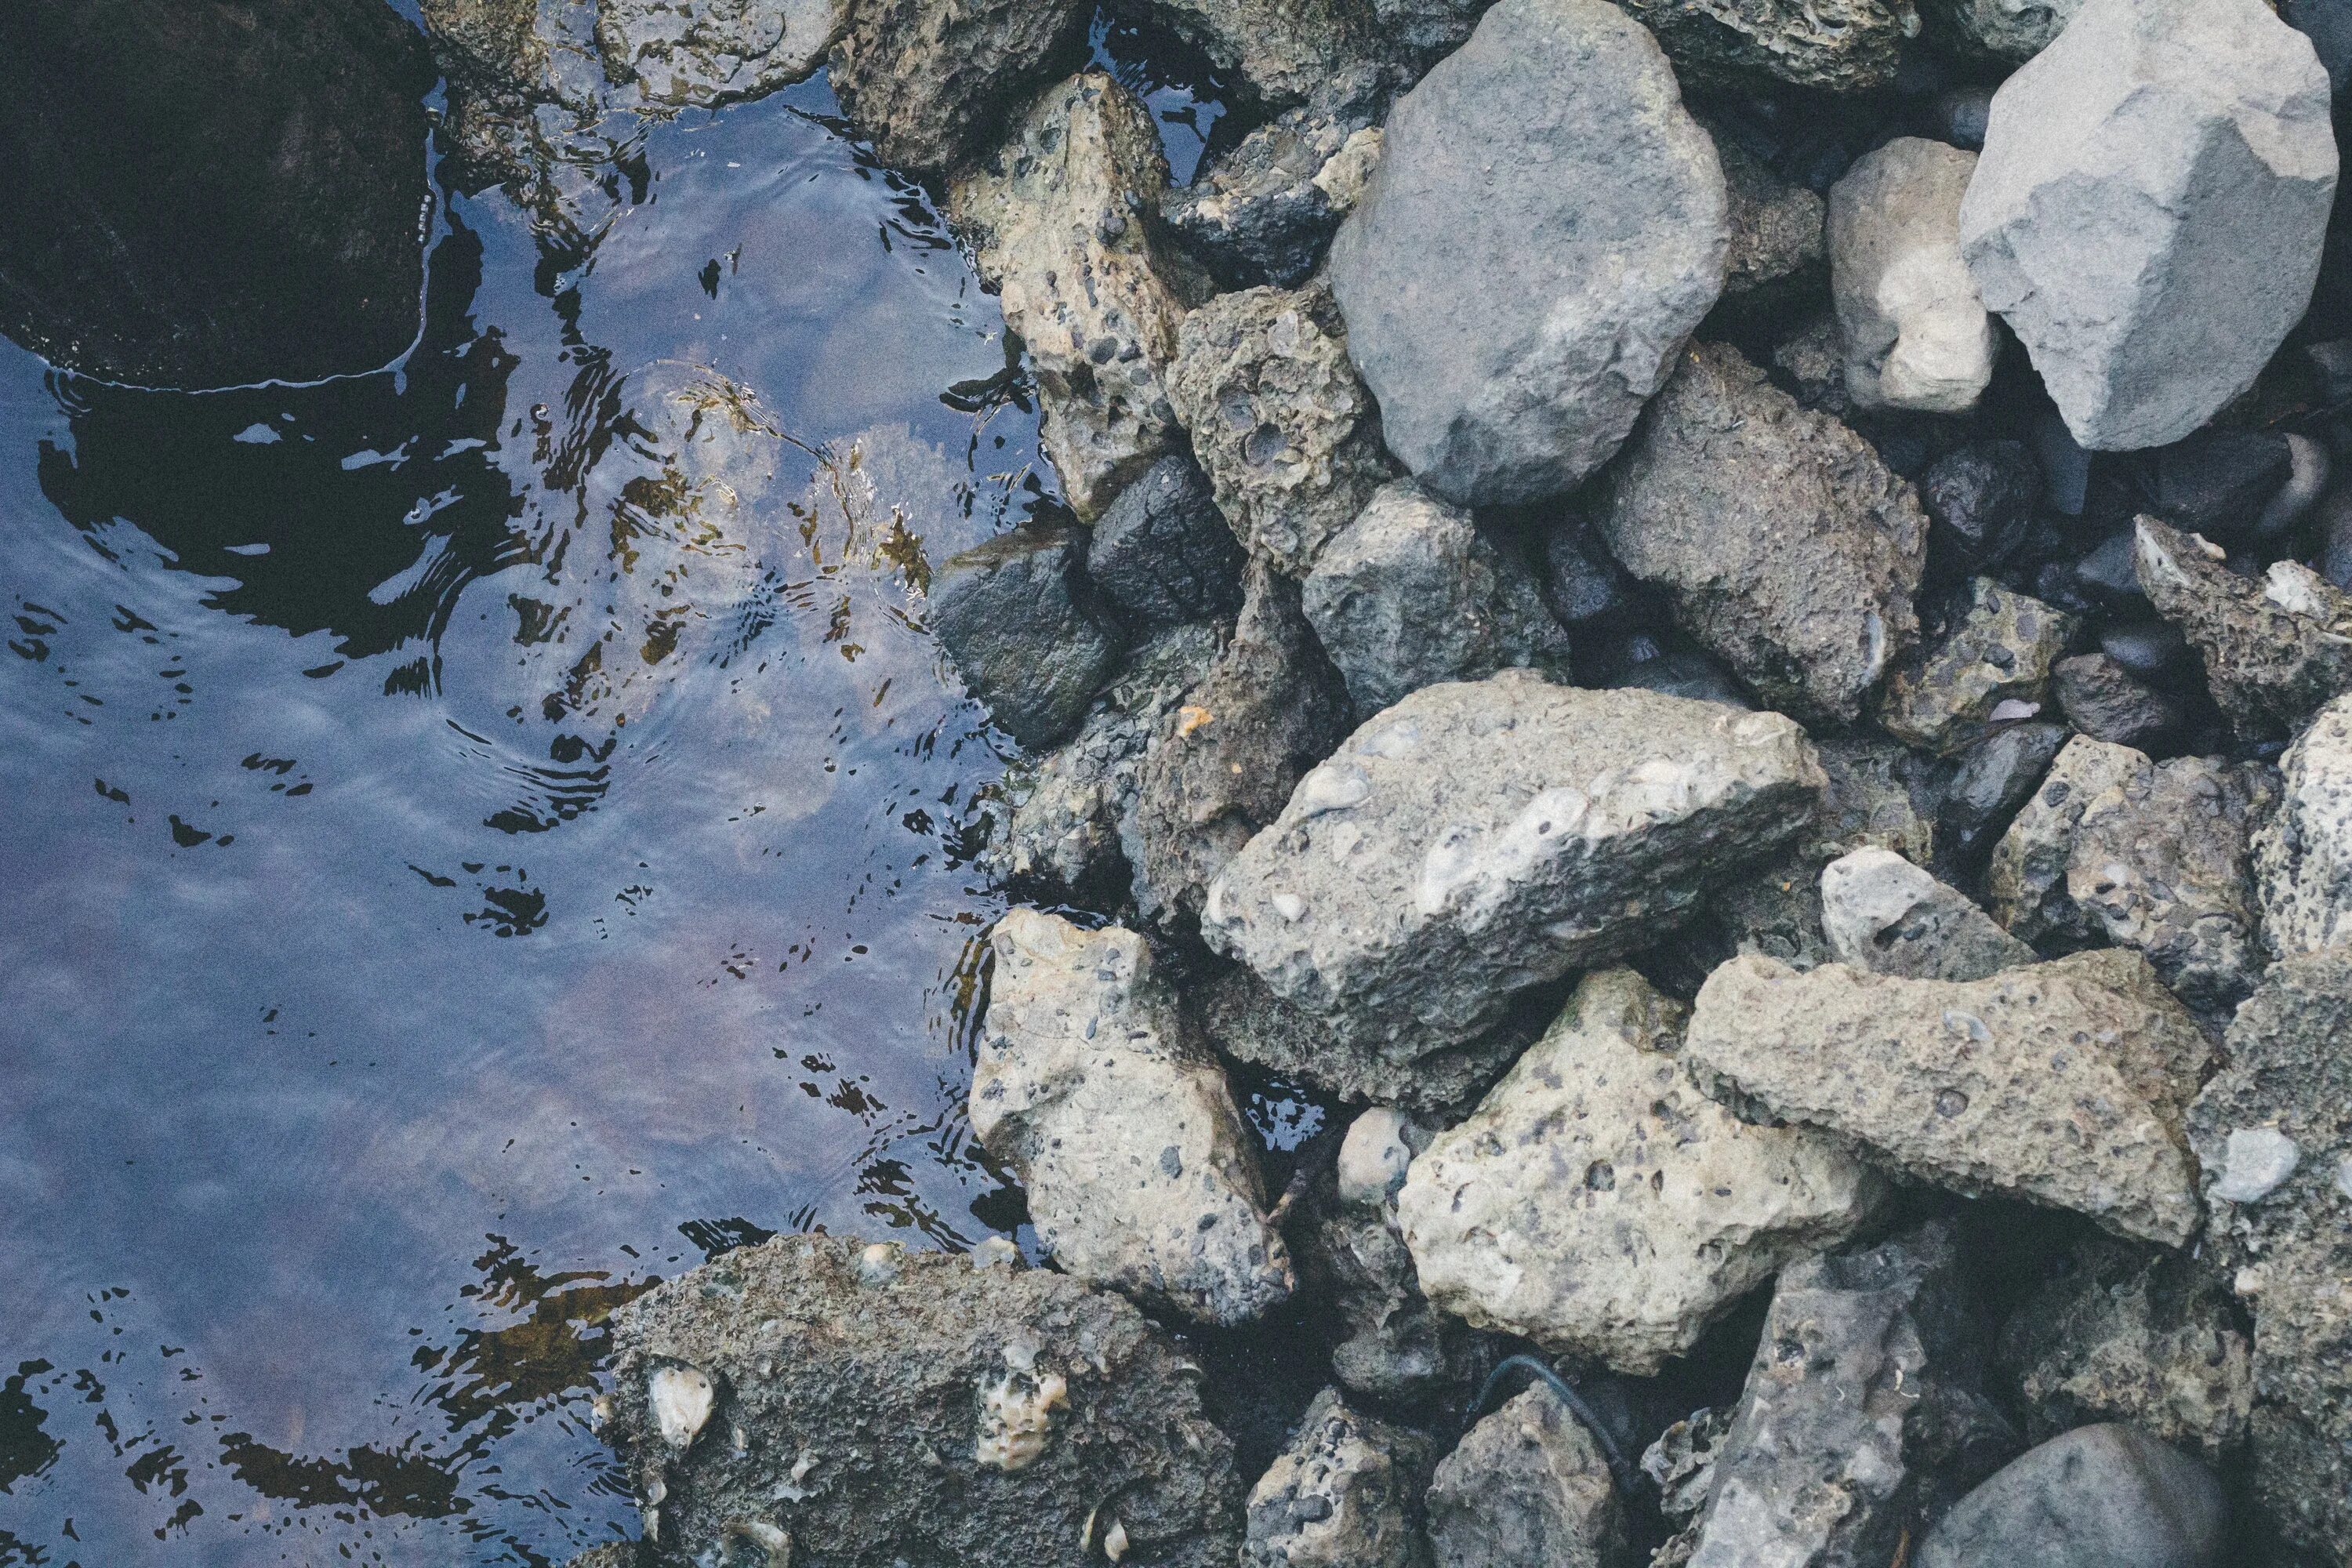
x: 480, y: 838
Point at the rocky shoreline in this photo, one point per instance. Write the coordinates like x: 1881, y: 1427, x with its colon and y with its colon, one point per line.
x: 1730, y: 627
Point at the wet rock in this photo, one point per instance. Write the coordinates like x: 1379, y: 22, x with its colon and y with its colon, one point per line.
x: 1598, y: 1204
x: 1322, y: 51
x: 1838, y: 46
x: 1263, y: 211
x: 2060, y: 1083
x: 2013, y: 30
x: 2217, y: 481
x: 1580, y: 579
x: 1790, y: 551
x: 2288, y: 1252
x: 2276, y: 648
x: 1011, y: 613
x: 1992, y: 779
x: 1162, y: 553
x: 1861, y: 1415
x: 1981, y: 495
x: 875, y: 1404
x: 704, y: 52
x: 1346, y: 1493
x: 1412, y: 594
x: 1286, y: 432
x: 1479, y: 838
x: 1548, y: 225
x: 2303, y: 856
x: 1917, y: 336
x: 1776, y: 226
x: 2106, y: 702
x: 1990, y: 666
x: 2100, y: 1496
x: 1140, y: 1172
x: 2132, y: 171
x: 933, y: 81
x: 1881, y: 913
x: 1526, y: 1488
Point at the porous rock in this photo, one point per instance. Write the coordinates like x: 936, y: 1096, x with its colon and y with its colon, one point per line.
x: 2276, y: 648
x: 2148, y: 211
x: 2106, y: 702
x: 1547, y: 226
x: 2303, y: 856
x: 2027, y: 881
x: 1776, y: 227
x: 1013, y: 614
x: 1837, y: 46
x: 1162, y: 552
x: 2099, y: 1497
x: 2061, y: 1083
x: 931, y: 81
x: 1917, y: 336
x: 710, y: 51
x: 1991, y: 666
x: 1345, y: 1493
x: 1140, y: 1170
x: 1598, y: 1204
x: 2013, y: 30
x: 1526, y: 1487
x: 1263, y: 211
x: 1300, y: 51
x: 1881, y: 913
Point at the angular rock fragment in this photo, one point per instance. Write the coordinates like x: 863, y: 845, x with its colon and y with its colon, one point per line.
x: 1917, y: 336
x: 2028, y: 878
x: 1885, y: 914
x: 1479, y: 838
x: 1526, y: 1488
x: 2060, y: 1083
x: 2106, y: 703
x: 1346, y: 1493
x: 1013, y: 614
x: 2217, y: 481
x: 1162, y: 553
x: 1598, y: 1204
x: 1776, y: 227
x: 1140, y: 1172
x: 932, y: 80
x: 1790, y: 551
x: 2303, y: 857
x: 1980, y: 496
x: 2099, y: 1497
x: 875, y: 1404
x: 2276, y: 649
x: 1991, y: 779
x: 1263, y: 211
x: 2013, y: 30
x: 1990, y: 666
x: 1547, y: 226
x: 1837, y: 46
x: 710, y: 51
x: 2149, y: 209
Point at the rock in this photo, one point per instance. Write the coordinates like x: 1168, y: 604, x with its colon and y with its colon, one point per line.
x: 1223, y: 764
x: 1838, y: 46
x: 2132, y: 171
x: 1412, y: 594
x: 875, y: 1404
x: 1547, y: 227
x: 2060, y: 1083
x: 1162, y: 552
x: 932, y: 80
x: 1580, y: 578
x: 1286, y: 434
x: 1598, y: 1204
x: 2028, y: 878
x: 1862, y: 1414
x: 1479, y: 838
x: 2106, y: 703
x: 2149, y: 649
x: 707, y: 52
x: 1960, y: 114
x: 1776, y: 226
x: 1992, y: 779
x: 2217, y: 481
x: 2013, y: 30
x: 1011, y: 613
x: 1883, y: 914
x: 1346, y: 1493
x: 1140, y: 1172
x: 1991, y: 666
x: 1980, y: 496
x: 1813, y: 357
x: 1917, y: 336
x: 1526, y: 1488
x: 1320, y: 51
x: 2303, y: 856
x: 2099, y: 1497
x: 1681, y: 1463
x: 1263, y: 211
x: 1790, y: 551
x: 2276, y: 649
x: 2289, y: 1252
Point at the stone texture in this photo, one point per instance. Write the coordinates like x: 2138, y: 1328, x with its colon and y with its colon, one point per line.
x: 1598, y: 1204
x: 1265, y: 210
x: 2106, y: 703
x: 2027, y: 882
x: 1286, y: 432
x: 705, y: 52
x: 1838, y: 46
x: 1547, y: 226
x: 1319, y: 51
x: 2303, y: 856
x: 2060, y: 1083
x: 1526, y: 1488
x: 1991, y: 666
x: 2013, y: 30
x: 1479, y: 838
x: 1012, y: 614
x: 933, y: 81
x: 2100, y: 1496
x: 2276, y: 648
x: 1346, y: 1493
x: 1140, y: 1172
x: 1917, y: 336
x: 2149, y: 209
x: 1991, y: 780
x: 1981, y: 496
x: 1791, y: 552
x: 2217, y: 481
x: 861, y: 1404
x: 1776, y: 227
x: 1881, y: 913
x: 1162, y: 553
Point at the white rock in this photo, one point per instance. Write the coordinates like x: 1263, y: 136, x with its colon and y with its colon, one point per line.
x: 1373, y: 1157
x: 2303, y: 856
x: 682, y: 1398
x: 2257, y: 1161
x: 1917, y: 336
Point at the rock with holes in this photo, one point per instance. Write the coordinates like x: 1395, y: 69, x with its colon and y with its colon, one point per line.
x: 2276, y: 648
x: 1322, y: 52
x: 1881, y: 913
x: 1776, y: 232
x: 2099, y: 1497
x: 2028, y: 878
x: 1345, y: 1493
x: 1917, y: 336
x: 933, y: 81
x: 1838, y: 46
x: 1991, y: 666
x: 709, y: 51
x: 1526, y: 1488
x: 2303, y: 857
x: 2013, y: 30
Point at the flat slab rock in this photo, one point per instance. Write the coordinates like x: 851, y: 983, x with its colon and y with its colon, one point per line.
x: 2060, y: 1083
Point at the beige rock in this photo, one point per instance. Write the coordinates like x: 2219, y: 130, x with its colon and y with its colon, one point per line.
x: 1990, y: 666
x: 1917, y: 336
x: 2303, y: 860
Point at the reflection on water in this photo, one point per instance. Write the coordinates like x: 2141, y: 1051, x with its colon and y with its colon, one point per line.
x: 482, y: 837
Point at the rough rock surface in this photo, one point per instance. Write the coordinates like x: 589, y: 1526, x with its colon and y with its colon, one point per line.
x: 1881, y: 913
x: 2303, y: 857
x: 1547, y: 226
x: 1317, y: 51
x: 2132, y: 172
x: 2013, y: 30
x: 2288, y: 1251
x: 2060, y: 1083
x: 2099, y: 1497
x: 1162, y: 553
x: 1140, y: 1172
x: 1526, y: 1488
x: 1412, y: 594
x: 1791, y: 552
x: 1776, y: 226
x: 1981, y: 496
x: 1286, y: 432
x: 931, y: 81
x: 1012, y: 614
x: 878, y: 1405
x: 2276, y: 648
x: 1346, y: 1493
x: 1062, y: 218
x: 1598, y: 1204
x: 2027, y: 881
x: 709, y: 51
x: 1991, y: 666
x: 1917, y: 336
x: 1991, y: 780
x: 1263, y: 211
x: 2106, y: 702
x: 1838, y: 46
x: 1478, y: 838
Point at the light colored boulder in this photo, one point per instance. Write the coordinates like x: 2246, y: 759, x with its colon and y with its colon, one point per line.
x: 2099, y: 1497
x: 2303, y: 858
x: 1917, y: 336
x: 1526, y: 1488
x: 1881, y: 913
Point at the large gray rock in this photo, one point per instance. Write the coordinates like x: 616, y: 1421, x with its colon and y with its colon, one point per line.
x: 705, y: 52
x: 1917, y: 336
x: 1991, y: 666
x: 1140, y: 1172
x: 1547, y: 226
x: 2099, y: 1497
x: 1163, y: 553
x: 1881, y: 913
x: 2149, y: 209
x: 1345, y: 1493
x: 1839, y: 45
x: 1479, y: 838
x: 1598, y: 1204
x: 2013, y: 30
x: 933, y: 81
x: 1790, y: 550
x: 2060, y: 1083
x: 1526, y: 1488
x: 2277, y: 648
x: 2303, y: 856
x: 870, y: 1405
x: 1013, y: 614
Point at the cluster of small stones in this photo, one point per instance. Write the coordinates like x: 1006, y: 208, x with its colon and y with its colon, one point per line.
x: 1724, y: 630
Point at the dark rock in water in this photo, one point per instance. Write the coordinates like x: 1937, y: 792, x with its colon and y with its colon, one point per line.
x: 2099, y: 1497
x: 2276, y: 649
x: 2215, y: 482
x: 1993, y: 779
x: 1010, y: 614
x: 934, y: 83
x: 704, y: 52
x: 1526, y: 1488
x: 2104, y: 700
x: 209, y: 196
x: 1162, y: 552
x: 1838, y: 46
x: 1981, y: 496
x: 1346, y: 1491
x: 1263, y: 211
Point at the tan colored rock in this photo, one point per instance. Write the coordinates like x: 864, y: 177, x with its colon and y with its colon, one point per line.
x: 1991, y: 666
x: 2304, y: 857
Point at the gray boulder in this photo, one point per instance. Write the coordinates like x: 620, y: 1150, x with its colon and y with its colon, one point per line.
x: 2277, y: 648
x: 2013, y: 30
x: 2106, y: 702
x: 1162, y: 552
x: 1479, y: 838
x: 1345, y: 1493
x: 705, y: 52
x: 1011, y: 615
x: 1838, y: 46
x: 1547, y: 226
x: 1791, y: 552
x: 1991, y: 666
x: 2149, y: 209
x: 1881, y: 913
x: 1526, y: 1488
x: 2099, y: 1497
x: 933, y: 81
x: 2303, y: 856
x: 1263, y: 211
x: 1917, y: 336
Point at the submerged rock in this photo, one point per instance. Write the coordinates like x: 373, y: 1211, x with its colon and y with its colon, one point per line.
x: 932, y: 80
x: 1526, y: 1488
x: 1991, y: 666
x: 1881, y: 913
x: 1837, y: 46
x: 1346, y: 1493
x: 1012, y: 614
x: 2303, y: 856
x: 1917, y: 336
x: 2276, y: 648
x: 2099, y: 1497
